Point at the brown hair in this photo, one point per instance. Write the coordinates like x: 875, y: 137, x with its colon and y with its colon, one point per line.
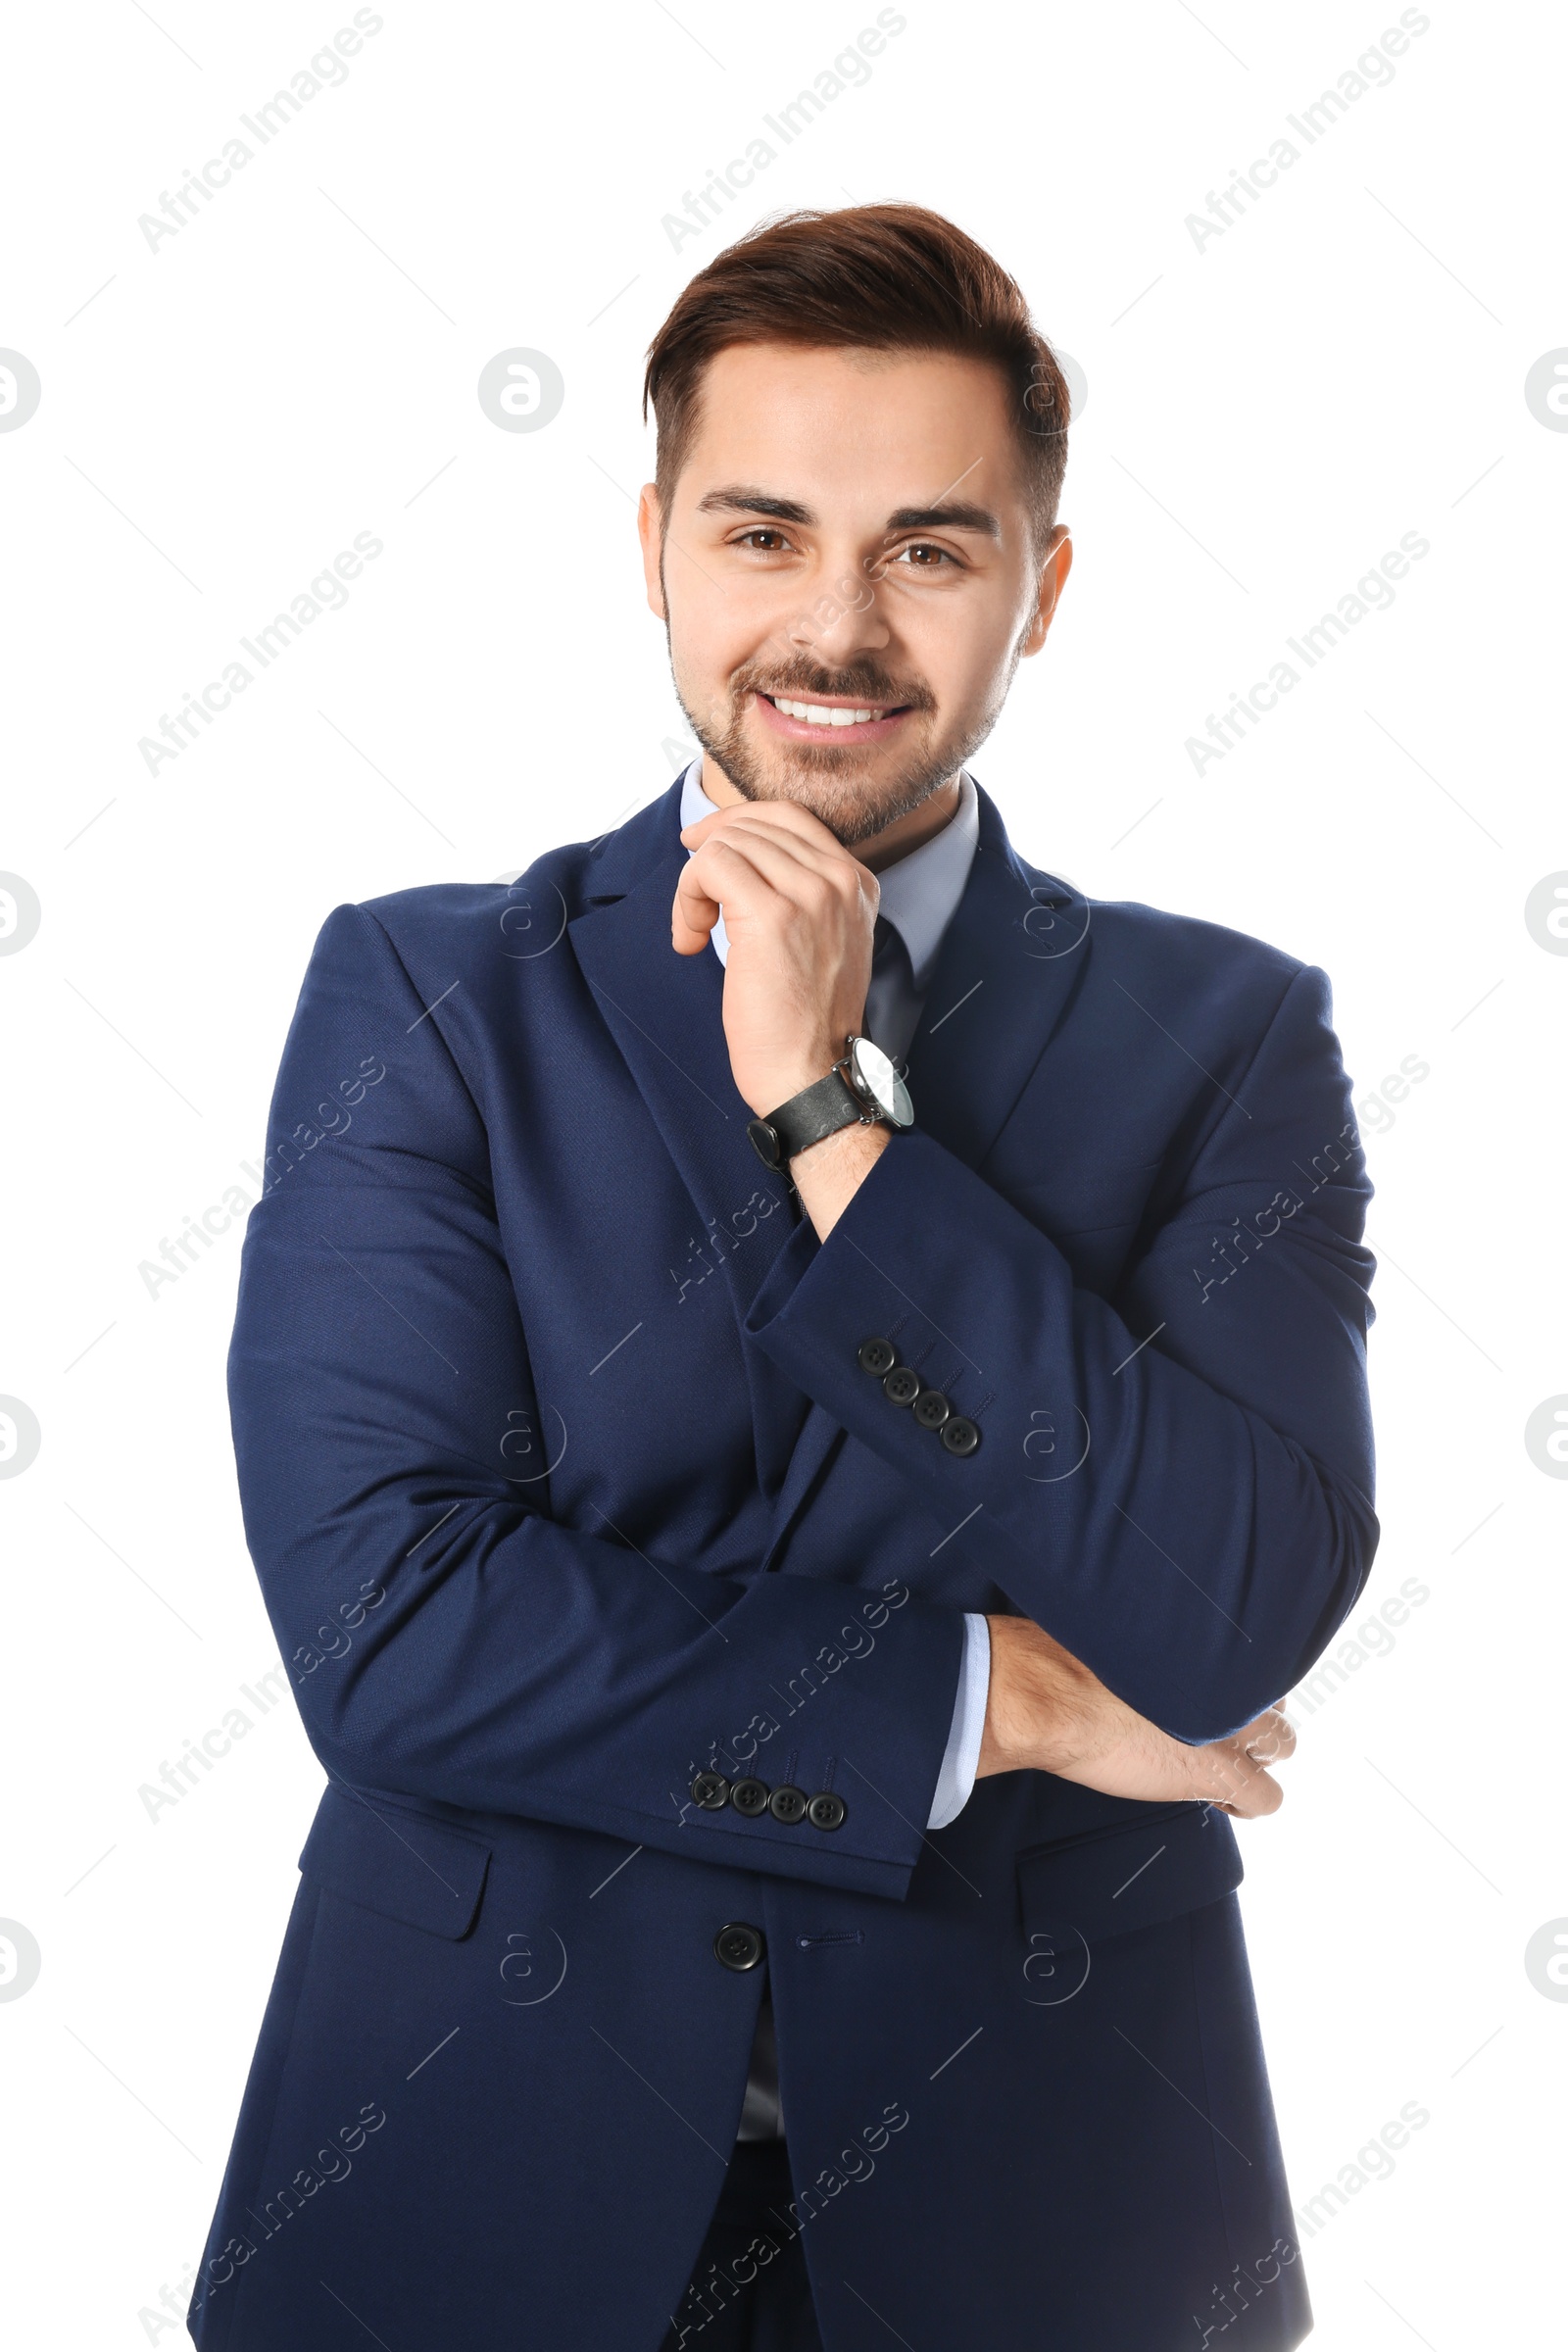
x: 879, y: 277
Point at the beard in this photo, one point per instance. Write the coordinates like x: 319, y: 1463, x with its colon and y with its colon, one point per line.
x: 856, y: 791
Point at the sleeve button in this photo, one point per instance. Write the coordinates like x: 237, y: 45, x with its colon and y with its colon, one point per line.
x: 750, y: 1798
x: 931, y: 1408
x: 826, y: 1811
x: 902, y: 1386
x: 710, y: 1790
x: 877, y: 1356
x: 788, y: 1805
x: 959, y: 1435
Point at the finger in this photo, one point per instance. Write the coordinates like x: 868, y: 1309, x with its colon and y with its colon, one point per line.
x: 692, y: 916
x: 1263, y: 1795
x: 738, y: 869
x: 788, y: 815
x: 1246, y: 1796
x: 1232, y: 1778
x: 1271, y: 1737
x: 716, y: 874
x: 817, y: 850
x: 813, y: 844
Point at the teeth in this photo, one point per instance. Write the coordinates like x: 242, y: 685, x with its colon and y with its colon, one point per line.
x: 819, y: 714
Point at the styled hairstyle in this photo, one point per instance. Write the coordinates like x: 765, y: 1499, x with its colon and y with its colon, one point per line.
x: 872, y: 276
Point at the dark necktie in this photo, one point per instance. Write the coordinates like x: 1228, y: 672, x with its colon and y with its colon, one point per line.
x: 892, y: 1008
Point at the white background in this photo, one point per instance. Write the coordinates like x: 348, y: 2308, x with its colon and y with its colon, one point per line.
x: 1266, y: 415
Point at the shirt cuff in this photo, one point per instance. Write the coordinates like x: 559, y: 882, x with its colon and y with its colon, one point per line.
x: 955, y: 1779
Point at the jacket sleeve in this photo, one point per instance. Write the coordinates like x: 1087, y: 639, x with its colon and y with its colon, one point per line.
x: 446, y: 1637
x: 1177, y: 1486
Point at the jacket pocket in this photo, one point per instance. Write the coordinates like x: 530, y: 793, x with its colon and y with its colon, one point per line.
x: 374, y: 1852
x: 1113, y: 1881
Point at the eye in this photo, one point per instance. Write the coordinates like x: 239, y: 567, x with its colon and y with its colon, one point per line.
x: 758, y: 532
x: 920, y: 551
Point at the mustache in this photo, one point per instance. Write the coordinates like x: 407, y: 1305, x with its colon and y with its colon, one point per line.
x: 866, y: 683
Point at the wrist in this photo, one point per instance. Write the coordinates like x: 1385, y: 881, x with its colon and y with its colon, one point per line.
x: 1040, y: 1711
x: 860, y: 1088
x: 830, y: 1173
x: 782, y: 1081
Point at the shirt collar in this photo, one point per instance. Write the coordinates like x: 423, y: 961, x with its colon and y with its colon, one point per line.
x: 920, y: 891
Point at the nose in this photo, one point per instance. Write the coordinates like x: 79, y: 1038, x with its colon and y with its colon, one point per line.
x: 842, y: 619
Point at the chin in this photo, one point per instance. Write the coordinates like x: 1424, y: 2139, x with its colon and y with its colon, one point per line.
x: 854, y: 808
x: 838, y: 784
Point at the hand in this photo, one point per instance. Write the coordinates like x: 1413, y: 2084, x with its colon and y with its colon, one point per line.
x: 1046, y: 1712
x: 799, y: 913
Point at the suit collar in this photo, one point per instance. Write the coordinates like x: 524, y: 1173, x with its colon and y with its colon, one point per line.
x: 618, y: 861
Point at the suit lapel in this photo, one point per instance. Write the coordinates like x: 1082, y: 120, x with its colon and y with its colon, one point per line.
x: 1011, y: 965
x: 665, y: 1013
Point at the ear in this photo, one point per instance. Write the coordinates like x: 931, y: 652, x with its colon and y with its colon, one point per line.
x: 1053, y: 579
x: 650, y: 530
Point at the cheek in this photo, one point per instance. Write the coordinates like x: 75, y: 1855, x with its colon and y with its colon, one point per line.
x: 967, y: 646
x: 714, y: 633
x: 703, y: 665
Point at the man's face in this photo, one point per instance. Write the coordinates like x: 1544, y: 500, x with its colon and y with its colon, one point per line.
x: 849, y: 535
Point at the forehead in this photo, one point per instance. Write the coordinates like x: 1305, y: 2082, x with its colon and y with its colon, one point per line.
x: 853, y: 430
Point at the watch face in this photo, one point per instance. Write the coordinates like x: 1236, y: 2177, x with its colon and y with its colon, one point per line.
x: 879, y: 1081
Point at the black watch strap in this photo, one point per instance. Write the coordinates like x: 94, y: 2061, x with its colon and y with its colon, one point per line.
x: 808, y: 1117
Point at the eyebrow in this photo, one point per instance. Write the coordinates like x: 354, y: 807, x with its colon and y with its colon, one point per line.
x: 952, y: 515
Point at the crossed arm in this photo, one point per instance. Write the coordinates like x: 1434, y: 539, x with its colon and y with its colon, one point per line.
x: 521, y: 1665
x: 799, y: 912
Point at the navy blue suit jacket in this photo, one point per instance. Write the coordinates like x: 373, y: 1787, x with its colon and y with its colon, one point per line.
x: 565, y: 1483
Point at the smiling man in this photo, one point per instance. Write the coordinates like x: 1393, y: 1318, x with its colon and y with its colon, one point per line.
x: 790, y: 1447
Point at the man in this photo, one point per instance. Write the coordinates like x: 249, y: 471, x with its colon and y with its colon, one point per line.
x: 786, y: 1597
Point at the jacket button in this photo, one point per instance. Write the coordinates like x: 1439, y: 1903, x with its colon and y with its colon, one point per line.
x: 787, y: 1804
x: 710, y: 1790
x: 739, y: 1946
x: 877, y: 1356
x: 931, y: 1408
x: 826, y: 1811
x: 902, y: 1386
x: 959, y: 1435
x: 750, y: 1798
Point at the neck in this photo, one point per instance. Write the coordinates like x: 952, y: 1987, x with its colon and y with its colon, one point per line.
x: 879, y: 850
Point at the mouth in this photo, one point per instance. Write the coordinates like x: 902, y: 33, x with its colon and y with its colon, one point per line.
x: 803, y: 720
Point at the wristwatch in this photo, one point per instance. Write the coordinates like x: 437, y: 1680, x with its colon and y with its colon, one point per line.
x: 863, y: 1088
